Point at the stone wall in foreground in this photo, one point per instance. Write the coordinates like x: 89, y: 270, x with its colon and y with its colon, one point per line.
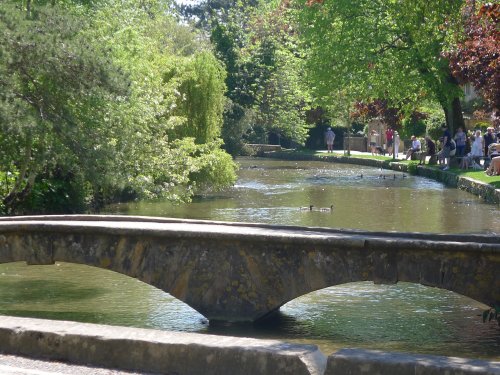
x: 178, y: 353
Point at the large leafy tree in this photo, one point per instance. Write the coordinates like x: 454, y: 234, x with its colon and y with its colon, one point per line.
x: 56, y: 91
x: 263, y: 75
x: 382, y: 49
x: 109, y: 96
x: 282, y: 97
x: 476, y: 57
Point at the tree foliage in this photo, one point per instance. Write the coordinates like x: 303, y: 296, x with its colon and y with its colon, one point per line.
x: 263, y: 74
x: 110, y: 95
x: 476, y: 57
x: 378, y: 109
x: 381, y: 49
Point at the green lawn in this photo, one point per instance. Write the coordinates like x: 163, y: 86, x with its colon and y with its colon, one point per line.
x: 479, y: 176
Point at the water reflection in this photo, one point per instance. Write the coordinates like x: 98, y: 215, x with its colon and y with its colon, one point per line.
x: 272, y: 191
x: 403, y: 317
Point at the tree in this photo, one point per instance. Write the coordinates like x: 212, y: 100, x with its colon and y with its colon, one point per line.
x: 55, y: 91
x: 263, y: 75
x: 282, y: 97
x: 378, y: 109
x: 382, y: 49
x: 476, y: 58
x: 110, y: 96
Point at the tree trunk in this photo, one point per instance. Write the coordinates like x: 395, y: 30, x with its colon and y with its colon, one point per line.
x: 453, y: 109
x: 454, y: 116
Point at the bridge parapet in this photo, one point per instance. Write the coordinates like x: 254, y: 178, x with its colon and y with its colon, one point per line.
x: 242, y: 272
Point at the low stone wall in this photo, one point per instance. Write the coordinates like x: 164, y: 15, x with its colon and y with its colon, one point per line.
x: 155, y: 351
x: 178, y: 353
x: 481, y: 189
x: 372, y: 362
x: 259, y: 149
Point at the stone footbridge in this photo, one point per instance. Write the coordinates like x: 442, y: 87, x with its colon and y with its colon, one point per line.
x: 242, y: 272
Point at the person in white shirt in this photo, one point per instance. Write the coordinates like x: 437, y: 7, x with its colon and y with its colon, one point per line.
x: 415, y: 147
x: 329, y: 139
x: 396, y: 144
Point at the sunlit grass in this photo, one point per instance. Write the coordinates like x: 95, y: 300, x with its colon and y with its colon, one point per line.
x: 479, y: 176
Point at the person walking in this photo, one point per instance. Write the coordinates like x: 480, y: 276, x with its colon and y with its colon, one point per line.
x: 329, y: 138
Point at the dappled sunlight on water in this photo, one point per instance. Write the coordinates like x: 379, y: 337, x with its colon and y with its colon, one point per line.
x: 272, y: 191
x: 403, y: 317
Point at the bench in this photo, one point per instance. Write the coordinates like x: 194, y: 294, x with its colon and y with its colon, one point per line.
x: 416, y: 155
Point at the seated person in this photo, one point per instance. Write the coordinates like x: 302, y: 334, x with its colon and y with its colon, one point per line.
x: 466, y: 161
x: 451, y: 152
x: 493, y: 149
x: 493, y: 152
x: 415, y: 146
x: 431, y: 149
x: 494, y: 168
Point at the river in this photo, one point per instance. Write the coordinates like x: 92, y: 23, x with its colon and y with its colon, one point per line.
x: 402, y: 317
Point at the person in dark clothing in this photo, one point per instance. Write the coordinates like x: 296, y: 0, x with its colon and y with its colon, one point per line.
x: 446, y: 147
x: 430, y: 147
x: 460, y: 140
x: 488, y: 138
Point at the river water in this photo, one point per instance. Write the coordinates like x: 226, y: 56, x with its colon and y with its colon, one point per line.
x: 402, y: 317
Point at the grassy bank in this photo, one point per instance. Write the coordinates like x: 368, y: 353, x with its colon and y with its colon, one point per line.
x: 475, y: 175
x: 475, y: 182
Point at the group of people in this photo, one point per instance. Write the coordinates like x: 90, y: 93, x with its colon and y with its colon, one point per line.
x: 469, y: 148
x: 392, y: 142
x: 481, y: 146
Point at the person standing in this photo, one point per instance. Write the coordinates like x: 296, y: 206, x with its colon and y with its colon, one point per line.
x: 373, y: 141
x: 460, y: 138
x: 477, y: 148
x: 329, y: 138
x: 389, y: 135
x: 446, y: 147
x: 396, y: 143
x: 488, y: 139
x: 476, y: 152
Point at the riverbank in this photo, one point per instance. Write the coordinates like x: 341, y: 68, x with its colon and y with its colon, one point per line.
x: 474, y: 182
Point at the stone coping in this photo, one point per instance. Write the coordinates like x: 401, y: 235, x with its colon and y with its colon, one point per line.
x: 182, y: 228
x: 478, y: 188
x: 179, y: 353
x: 374, y: 362
x: 155, y: 351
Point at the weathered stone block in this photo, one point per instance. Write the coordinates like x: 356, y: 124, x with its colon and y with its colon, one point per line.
x: 372, y: 362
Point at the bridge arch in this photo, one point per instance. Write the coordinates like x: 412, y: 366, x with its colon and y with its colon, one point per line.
x: 242, y: 272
